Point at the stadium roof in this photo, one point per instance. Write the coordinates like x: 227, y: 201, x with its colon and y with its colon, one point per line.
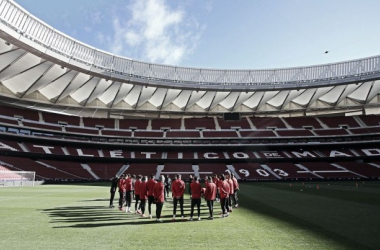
x: 43, y: 68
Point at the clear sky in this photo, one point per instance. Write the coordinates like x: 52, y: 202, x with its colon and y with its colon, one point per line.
x: 240, y: 34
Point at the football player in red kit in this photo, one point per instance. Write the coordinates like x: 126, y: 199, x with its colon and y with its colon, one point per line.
x: 128, y: 193
x: 121, y: 191
x: 150, y: 186
x: 224, y: 189
x: 159, y: 197
x: 235, y: 198
x: 178, y: 189
x: 196, y: 190
x: 215, y: 180
x: 231, y: 184
x: 143, y: 194
x: 137, y: 193
x: 210, y: 195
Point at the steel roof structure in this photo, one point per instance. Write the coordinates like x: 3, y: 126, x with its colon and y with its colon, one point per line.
x: 43, y: 68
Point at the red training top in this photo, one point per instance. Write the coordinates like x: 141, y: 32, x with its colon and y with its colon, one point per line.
x: 143, y: 190
x: 215, y: 180
x: 121, y: 185
x: 137, y: 187
x: 236, y: 184
x: 210, y: 193
x: 231, y: 183
x: 150, y: 186
x: 158, y: 192
x: 128, y: 184
x: 224, y: 188
x: 196, y: 189
x: 178, y: 188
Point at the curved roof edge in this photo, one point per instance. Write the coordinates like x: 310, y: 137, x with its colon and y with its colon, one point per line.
x: 31, y: 32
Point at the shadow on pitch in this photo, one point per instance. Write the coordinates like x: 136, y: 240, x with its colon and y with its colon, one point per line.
x: 258, y: 204
x: 102, y: 216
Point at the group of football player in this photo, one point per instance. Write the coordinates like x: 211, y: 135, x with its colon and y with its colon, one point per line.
x: 147, y: 190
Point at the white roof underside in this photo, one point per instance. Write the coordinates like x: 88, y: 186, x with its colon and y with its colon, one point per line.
x: 32, y: 76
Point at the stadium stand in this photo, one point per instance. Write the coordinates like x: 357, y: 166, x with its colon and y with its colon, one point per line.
x: 185, y: 169
x: 99, y: 122
x: 370, y: 120
x: 302, y: 122
x: 219, y: 134
x: 267, y: 122
x: 138, y: 97
x: 43, y: 126
x: 243, y: 124
x: 82, y: 130
x: 339, y: 121
x: 257, y: 133
x: 62, y: 119
x: 327, y: 170
x: 183, y: 134
x: 26, y: 114
x: 133, y: 123
x: 145, y: 169
x: 166, y: 124
x: 294, y: 132
x: 199, y: 123
x: 323, y: 132
x: 148, y: 134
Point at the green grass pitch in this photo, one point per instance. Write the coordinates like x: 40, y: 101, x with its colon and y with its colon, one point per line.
x: 338, y: 215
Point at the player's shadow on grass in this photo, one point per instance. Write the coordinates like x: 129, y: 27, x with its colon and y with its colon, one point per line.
x: 102, y: 216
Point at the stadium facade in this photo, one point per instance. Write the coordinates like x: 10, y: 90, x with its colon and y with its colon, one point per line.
x: 44, y: 69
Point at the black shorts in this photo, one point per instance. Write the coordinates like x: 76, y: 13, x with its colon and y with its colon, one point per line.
x: 150, y: 199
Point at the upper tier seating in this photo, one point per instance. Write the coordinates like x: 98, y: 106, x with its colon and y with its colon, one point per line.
x: 243, y: 123
x: 166, y: 123
x: 133, y: 123
x: 27, y: 114
x: 99, y: 122
x: 196, y: 123
x: 58, y: 118
x: 370, y: 120
x: 301, y: 122
x: 267, y: 122
x: 337, y: 122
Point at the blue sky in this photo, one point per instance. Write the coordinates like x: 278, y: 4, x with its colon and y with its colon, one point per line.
x: 242, y: 34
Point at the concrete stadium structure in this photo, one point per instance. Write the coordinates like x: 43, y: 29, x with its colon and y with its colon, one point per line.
x: 44, y: 69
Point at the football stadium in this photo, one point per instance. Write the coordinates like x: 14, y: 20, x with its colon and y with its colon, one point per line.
x: 292, y: 154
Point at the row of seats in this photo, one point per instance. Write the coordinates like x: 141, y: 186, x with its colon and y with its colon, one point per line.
x: 50, y: 169
x: 201, y: 152
x: 282, y: 132
x: 187, y: 123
